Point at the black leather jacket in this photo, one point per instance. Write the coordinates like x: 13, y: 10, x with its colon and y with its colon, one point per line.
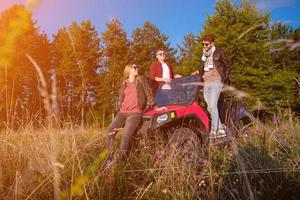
x: 221, y: 63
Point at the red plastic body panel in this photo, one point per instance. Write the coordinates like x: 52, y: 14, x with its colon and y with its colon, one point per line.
x: 184, y: 110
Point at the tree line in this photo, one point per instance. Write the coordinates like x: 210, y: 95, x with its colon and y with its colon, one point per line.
x: 88, y: 65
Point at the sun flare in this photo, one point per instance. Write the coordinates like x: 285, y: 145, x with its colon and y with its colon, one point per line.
x: 33, y: 4
x: 14, y: 28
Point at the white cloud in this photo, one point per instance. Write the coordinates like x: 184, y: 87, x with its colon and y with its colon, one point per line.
x: 272, y: 4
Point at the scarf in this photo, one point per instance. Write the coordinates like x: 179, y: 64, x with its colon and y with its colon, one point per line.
x: 207, y: 58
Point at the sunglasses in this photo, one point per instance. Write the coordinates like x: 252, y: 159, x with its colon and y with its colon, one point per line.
x: 205, y: 44
x: 134, y: 67
x: 161, y: 54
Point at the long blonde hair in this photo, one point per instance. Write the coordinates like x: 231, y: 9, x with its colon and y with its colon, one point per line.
x: 127, y: 71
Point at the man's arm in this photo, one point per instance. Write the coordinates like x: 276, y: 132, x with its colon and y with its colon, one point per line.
x: 226, y: 64
x: 152, y: 73
x: 166, y: 80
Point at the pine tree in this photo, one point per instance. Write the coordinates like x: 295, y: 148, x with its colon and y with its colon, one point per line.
x: 286, y: 61
x: 187, y: 61
x: 76, y: 55
x: 116, y: 55
x: 20, y: 36
x: 145, y: 42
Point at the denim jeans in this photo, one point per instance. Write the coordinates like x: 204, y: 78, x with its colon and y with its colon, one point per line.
x: 211, y: 94
x: 132, y: 122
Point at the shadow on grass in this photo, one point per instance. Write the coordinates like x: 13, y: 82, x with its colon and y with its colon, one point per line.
x: 254, y: 174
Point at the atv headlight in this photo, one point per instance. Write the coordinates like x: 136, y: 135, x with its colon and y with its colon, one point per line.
x: 165, y: 117
x: 162, y: 118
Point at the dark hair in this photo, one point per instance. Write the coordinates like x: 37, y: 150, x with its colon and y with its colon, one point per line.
x: 208, y: 37
x: 160, y: 49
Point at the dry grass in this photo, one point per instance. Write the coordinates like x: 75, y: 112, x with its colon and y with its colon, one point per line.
x: 260, y: 165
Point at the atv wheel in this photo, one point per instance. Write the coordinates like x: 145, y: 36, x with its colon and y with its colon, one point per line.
x: 184, y: 145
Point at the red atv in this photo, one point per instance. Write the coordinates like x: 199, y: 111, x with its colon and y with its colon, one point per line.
x: 185, y: 122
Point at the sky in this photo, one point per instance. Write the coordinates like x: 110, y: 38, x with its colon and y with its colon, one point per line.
x: 175, y: 18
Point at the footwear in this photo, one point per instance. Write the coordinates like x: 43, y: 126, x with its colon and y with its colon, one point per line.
x: 212, y: 134
x: 219, y: 134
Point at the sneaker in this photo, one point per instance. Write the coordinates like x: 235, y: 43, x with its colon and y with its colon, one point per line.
x: 221, y: 133
x: 212, y: 134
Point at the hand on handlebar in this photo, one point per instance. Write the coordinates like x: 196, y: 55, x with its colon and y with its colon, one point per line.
x: 166, y: 80
x: 177, y: 76
x: 195, y: 72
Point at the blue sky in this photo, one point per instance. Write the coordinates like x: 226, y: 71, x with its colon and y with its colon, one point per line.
x: 175, y: 18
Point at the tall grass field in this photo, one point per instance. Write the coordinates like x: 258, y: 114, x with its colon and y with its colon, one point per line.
x: 262, y: 164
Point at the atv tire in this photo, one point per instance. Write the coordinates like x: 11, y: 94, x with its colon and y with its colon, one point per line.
x: 184, y: 145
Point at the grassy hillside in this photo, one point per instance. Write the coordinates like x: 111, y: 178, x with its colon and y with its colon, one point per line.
x: 264, y: 164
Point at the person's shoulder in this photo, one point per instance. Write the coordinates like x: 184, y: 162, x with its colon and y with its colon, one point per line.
x: 168, y: 63
x: 219, y: 50
x: 140, y: 78
x: 155, y: 62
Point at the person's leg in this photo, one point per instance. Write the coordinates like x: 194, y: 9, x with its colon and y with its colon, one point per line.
x: 221, y: 107
x: 131, y: 125
x: 212, y: 94
x: 206, y: 95
x: 116, y: 123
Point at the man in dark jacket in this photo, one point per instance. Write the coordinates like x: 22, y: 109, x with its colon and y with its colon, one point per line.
x: 214, y: 70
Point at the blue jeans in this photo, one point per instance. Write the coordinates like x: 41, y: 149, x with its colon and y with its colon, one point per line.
x: 131, y: 122
x: 211, y: 92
